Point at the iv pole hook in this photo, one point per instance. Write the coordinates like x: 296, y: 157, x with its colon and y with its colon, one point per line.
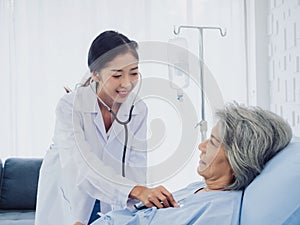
x: 177, y: 29
x: 203, y: 122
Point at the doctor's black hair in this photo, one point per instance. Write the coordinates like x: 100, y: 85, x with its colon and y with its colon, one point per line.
x: 105, y: 47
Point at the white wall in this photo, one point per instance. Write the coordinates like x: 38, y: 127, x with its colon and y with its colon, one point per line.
x: 284, y: 59
x: 257, y: 53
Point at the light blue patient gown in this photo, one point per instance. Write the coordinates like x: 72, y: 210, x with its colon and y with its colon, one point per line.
x: 207, y: 208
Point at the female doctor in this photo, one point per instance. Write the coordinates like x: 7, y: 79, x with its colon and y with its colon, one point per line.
x: 92, y: 156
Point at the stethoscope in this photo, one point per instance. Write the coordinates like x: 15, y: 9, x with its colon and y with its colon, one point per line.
x: 124, y: 123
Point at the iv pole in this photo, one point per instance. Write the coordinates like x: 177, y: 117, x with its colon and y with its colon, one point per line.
x: 203, y: 122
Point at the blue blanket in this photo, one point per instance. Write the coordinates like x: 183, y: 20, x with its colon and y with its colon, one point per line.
x: 209, y: 208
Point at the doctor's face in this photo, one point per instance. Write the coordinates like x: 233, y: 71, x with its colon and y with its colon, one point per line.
x: 213, y: 162
x: 118, y: 79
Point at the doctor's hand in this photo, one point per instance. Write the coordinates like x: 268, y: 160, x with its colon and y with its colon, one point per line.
x: 158, y: 196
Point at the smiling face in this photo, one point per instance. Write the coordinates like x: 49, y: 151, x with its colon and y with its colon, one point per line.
x: 213, y: 165
x: 118, y: 79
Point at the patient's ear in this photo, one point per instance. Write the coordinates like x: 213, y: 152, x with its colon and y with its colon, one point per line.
x: 233, y: 176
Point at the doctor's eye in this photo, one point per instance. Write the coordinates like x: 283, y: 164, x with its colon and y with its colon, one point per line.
x: 116, y: 76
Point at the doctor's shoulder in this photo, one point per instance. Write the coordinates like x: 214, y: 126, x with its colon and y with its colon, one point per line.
x: 66, y: 101
x: 73, y: 100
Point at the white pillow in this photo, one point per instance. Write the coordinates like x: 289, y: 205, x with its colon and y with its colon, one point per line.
x: 274, y: 196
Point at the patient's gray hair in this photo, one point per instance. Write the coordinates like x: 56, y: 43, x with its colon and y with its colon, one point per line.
x: 251, y: 137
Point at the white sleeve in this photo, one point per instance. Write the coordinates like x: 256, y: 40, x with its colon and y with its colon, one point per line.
x: 69, y: 138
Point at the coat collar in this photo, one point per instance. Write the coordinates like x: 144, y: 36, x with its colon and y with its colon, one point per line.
x: 86, y: 101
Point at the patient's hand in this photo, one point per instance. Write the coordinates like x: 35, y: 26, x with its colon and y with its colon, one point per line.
x: 78, y: 223
x: 158, y: 196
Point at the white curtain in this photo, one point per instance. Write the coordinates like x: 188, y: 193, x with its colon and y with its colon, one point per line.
x: 44, y: 47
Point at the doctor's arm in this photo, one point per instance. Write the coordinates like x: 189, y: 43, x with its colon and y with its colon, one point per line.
x: 158, y: 196
x: 89, y: 173
x: 85, y: 177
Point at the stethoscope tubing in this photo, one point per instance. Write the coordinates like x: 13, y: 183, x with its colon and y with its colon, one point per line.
x: 124, y: 123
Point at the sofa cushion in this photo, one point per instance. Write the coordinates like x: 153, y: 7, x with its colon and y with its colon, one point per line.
x: 0, y: 173
x: 18, y: 217
x: 1, y: 169
x: 274, y: 196
x: 19, y: 184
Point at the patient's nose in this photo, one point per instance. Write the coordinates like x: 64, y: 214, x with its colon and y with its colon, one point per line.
x: 202, y: 146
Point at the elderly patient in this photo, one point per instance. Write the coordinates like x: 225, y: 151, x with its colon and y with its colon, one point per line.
x: 241, y: 143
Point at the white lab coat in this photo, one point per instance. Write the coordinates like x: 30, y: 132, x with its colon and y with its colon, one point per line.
x: 84, y: 164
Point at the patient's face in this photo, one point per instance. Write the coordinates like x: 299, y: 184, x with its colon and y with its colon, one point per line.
x: 213, y: 162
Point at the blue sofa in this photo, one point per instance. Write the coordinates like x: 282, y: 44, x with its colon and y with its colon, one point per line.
x: 18, y: 188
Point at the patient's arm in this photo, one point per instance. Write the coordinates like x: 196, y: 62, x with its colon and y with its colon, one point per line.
x: 158, y: 196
